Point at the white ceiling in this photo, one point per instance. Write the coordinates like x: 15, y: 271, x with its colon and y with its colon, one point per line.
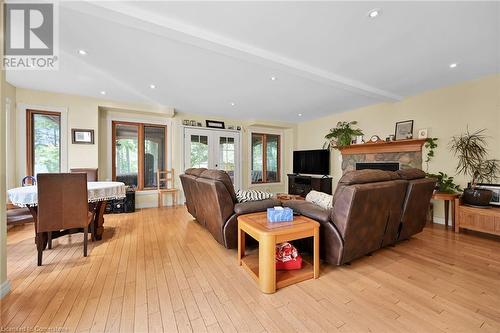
x: 327, y: 56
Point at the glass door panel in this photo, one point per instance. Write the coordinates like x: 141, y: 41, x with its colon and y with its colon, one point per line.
x: 127, y: 153
x: 154, y: 154
x: 213, y: 149
x: 227, y: 156
x: 197, y: 149
x: 257, y: 153
x: 272, y: 153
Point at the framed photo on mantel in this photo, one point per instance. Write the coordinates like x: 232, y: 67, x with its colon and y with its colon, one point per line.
x: 404, y: 130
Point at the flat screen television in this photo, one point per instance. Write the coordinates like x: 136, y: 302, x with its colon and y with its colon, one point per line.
x: 314, y: 162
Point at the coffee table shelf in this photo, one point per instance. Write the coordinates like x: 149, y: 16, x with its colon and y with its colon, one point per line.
x: 283, y: 278
x: 262, y: 265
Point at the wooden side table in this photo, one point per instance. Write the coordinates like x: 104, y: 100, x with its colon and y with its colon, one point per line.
x: 447, y: 198
x: 262, y: 265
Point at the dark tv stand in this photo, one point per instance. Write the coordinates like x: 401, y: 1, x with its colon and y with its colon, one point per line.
x: 301, y: 185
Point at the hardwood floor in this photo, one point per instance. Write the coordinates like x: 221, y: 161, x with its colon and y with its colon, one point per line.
x: 156, y: 270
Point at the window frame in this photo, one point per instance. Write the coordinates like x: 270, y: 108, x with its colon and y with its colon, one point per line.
x: 30, y: 155
x: 141, y: 149
x: 264, y: 158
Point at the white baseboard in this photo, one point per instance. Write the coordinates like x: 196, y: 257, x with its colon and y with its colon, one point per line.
x: 440, y: 220
x: 4, y: 288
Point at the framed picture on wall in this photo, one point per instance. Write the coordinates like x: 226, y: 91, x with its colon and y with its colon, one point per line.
x: 215, y: 124
x: 404, y: 130
x: 82, y: 136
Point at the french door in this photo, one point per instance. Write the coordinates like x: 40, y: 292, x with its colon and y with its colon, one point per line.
x: 213, y: 149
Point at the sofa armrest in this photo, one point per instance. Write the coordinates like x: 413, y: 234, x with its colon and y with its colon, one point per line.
x: 308, y: 209
x: 255, y: 206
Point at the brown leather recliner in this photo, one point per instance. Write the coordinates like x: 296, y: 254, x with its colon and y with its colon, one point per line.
x: 188, y: 181
x: 366, y: 204
x: 211, y: 199
x: 416, y: 204
x: 366, y: 215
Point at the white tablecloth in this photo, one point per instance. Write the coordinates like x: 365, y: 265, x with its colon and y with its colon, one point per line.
x: 97, y: 191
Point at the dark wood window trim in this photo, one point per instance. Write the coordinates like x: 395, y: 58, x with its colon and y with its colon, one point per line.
x: 264, y: 157
x: 30, y: 145
x: 141, y: 149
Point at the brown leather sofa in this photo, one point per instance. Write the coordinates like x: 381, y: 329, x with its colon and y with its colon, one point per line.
x: 211, y: 199
x: 370, y: 209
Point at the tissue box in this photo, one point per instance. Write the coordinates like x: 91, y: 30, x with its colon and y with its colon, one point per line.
x: 280, y: 214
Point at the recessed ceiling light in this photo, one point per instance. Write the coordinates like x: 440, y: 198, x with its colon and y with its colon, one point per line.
x: 453, y: 65
x: 103, y: 92
x: 300, y: 114
x: 152, y: 86
x: 374, y: 13
x: 273, y: 78
x: 82, y: 52
x: 233, y: 104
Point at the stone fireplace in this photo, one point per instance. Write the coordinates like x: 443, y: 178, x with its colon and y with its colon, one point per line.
x: 406, y: 153
x: 389, y: 166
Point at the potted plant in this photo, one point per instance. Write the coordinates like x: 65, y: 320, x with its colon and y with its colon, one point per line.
x: 473, y: 162
x: 445, y: 183
x: 342, y: 135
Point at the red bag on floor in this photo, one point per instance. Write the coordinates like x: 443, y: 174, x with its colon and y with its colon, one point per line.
x: 287, y: 257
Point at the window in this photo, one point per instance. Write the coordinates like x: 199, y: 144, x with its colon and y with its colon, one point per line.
x: 265, y: 158
x: 43, y: 142
x: 139, y: 151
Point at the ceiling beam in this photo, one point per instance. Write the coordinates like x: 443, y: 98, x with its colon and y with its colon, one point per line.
x: 137, y: 18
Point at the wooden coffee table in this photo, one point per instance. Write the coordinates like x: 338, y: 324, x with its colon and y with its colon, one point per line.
x: 262, y: 265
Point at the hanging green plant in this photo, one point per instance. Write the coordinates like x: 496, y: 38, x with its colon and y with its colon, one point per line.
x: 342, y: 135
x: 430, y: 145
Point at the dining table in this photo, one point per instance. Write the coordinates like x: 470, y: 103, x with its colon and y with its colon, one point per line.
x: 98, y: 194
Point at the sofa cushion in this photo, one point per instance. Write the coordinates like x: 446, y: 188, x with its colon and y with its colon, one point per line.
x: 255, y: 206
x: 252, y: 195
x: 411, y: 173
x: 308, y: 209
x: 194, y: 171
x: 319, y: 198
x: 367, y: 176
x: 221, y: 176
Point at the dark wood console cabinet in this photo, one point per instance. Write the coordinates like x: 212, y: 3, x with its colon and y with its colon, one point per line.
x: 301, y: 185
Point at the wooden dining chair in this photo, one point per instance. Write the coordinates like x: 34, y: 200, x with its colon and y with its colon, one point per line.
x: 92, y: 174
x: 20, y: 215
x: 62, y: 208
x: 165, y: 180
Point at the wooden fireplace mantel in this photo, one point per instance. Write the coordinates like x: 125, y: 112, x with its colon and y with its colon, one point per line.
x: 384, y: 147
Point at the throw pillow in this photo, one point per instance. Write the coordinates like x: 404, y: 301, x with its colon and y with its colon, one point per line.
x: 319, y: 198
x: 252, y: 195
